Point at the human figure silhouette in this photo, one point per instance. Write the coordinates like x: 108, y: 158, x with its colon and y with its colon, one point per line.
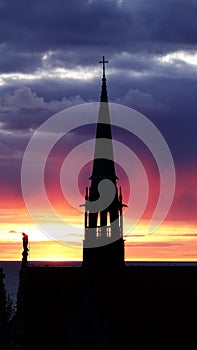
x: 25, y: 241
x: 25, y: 246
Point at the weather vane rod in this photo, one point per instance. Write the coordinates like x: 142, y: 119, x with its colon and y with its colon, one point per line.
x: 103, y: 62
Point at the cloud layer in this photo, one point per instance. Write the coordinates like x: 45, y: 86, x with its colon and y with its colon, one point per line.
x: 49, y: 53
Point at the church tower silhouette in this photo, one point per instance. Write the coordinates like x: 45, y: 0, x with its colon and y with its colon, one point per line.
x: 140, y: 306
x: 103, y: 242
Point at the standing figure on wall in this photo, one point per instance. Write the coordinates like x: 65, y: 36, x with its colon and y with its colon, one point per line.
x: 25, y: 246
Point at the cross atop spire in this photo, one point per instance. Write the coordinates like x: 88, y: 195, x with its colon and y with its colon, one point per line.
x: 103, y: 62
x: 104, y: 97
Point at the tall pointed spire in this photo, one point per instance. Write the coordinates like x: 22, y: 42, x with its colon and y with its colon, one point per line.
x: 103, y: 243
x: 103, y: 166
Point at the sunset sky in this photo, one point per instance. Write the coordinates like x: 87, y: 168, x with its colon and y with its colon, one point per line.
x: 49, y: 53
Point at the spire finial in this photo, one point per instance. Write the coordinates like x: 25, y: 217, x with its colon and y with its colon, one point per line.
x: 103, y: 62
x: 104, y: 97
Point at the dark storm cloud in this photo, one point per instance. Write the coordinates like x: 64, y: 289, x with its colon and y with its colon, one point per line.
x: 105, y: 22
x: 135, y: 25
x: 50, y: 25
x: 170, y: 102
x: 24, y: 110
x: 12, y: 147
x: 170, y: 21
x: 11, y: 61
